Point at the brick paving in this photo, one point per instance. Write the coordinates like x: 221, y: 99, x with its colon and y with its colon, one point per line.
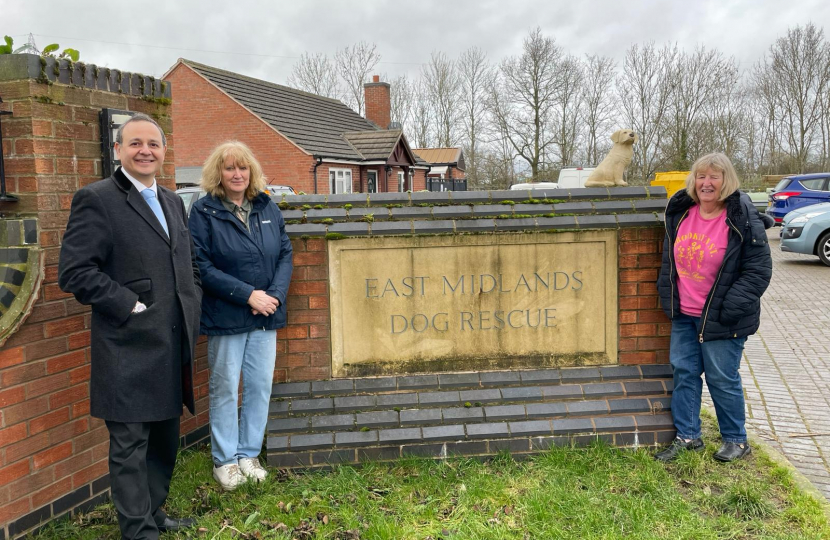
x: 786, y: 368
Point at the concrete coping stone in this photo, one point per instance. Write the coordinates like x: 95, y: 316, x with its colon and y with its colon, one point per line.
x: 437, y: 226
x: 391, y: 227
x: 410, y: 212
x: 589, y: 193
x: 532, y: 209
x: 628, y: 192
x: 306, y: 229
x: 638, y: 220
x: 430, y: 197
x: 595, y: 221
x: 562, y: 222
x: 350, y: 228
x: 455, y: 211
x: 294, y: 389
x: 389, y: 198
x: 470, y: 197
x: 657, y: 192
x: 378, y: 212
x: 652, y: 371
x: 476, y: 225
x: 573, y: 208
x: 292, y: 214
x: 492, y: 209
x: 299, y: 200
x: 355, y: 199
x: 513, y: 224
x: 333, y: 386
x: 333, y: 213
x: 652, y: 205
x: 613, y: 206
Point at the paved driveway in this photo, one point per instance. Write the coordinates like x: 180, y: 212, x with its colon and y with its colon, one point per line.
x: 786, y: 372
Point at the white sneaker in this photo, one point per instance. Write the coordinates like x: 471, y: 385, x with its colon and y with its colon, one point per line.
x: 229, y: 476
x: 251, y: 468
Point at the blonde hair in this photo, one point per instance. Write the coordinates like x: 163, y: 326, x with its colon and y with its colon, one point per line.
x: 211, y: 180
x: 715, y: 161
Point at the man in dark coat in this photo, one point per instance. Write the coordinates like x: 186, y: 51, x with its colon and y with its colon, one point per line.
x: 127, y: 252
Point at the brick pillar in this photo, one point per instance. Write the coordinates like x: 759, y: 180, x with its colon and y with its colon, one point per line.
x: 644, y: 328
x: 53, y: 455
x: 378, y: 104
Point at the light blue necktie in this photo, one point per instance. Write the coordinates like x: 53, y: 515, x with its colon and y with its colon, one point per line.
x: 150, y: 196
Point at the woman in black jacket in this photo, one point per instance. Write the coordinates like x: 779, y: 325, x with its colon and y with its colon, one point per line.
x: 716, y: 266
x: 245, y: 259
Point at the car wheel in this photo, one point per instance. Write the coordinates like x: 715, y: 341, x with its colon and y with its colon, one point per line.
x: 823, y: 248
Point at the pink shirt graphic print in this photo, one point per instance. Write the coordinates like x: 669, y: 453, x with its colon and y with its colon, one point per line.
x: 698, y: 254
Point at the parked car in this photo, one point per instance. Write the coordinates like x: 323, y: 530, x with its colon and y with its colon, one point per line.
x: 794, y: 192
x: 192, y: 194
x: 274, y: 189
x: 574, y: 177
x: 807, y: 230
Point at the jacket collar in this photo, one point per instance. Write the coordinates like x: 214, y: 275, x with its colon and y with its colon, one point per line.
x: 735, y: 211
x: 258, y: 203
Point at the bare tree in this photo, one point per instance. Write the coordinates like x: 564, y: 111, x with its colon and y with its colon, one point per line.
x: 568, y: 108
x: 354, y: 65
x: 315, y: 74
x: 421, y: 123
x: 402, y: 99
x: 798, y: 65
x: 600, y: 105
x: 699, y: 76
x: 443, y: 84
x: 523, y: 98
x: 476, y: 76
x: 645, y: 87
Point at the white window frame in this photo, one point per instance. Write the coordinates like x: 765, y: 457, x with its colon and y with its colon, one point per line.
x: 345, y: 180
x: 401, y: 177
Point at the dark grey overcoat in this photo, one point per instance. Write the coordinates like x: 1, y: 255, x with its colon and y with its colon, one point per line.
x: 115, y: 253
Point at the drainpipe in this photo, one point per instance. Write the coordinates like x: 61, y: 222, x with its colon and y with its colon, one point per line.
x: 319, y: 162
x: 386, y: 170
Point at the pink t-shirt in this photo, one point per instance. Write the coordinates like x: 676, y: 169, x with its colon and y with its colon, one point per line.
x: 698, y: 253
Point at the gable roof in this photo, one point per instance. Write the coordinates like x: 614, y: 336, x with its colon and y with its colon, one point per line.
x: 441, y: 156
x: 315, y: 123
x: 380, y: 144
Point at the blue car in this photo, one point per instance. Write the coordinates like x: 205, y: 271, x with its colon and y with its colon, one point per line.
x: 807, y: 230
x: 794, y: 192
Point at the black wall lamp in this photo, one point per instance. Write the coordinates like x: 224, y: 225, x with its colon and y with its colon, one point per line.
x: 4, y: 197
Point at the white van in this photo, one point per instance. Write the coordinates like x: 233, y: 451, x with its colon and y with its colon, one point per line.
x: 574, y: 177
x: 535, y: 185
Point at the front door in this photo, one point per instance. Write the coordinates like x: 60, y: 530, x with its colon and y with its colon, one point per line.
x: 372, y: 181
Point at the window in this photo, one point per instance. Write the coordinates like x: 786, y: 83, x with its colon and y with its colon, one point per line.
x: 340, y: 180
x: 400, y: 181
x: 815, y: 184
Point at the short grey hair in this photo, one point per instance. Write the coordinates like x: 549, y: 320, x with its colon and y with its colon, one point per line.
x: 139, y: 117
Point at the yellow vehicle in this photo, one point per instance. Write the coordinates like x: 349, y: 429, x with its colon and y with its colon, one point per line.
x: 673, y: 181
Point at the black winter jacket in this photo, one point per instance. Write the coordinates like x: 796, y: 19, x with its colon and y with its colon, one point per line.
x: 733, y: 306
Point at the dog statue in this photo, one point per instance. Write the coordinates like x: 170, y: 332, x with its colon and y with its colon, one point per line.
x: 610, y: 171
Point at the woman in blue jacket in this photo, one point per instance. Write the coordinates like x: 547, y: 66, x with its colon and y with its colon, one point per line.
x: 245, y: 259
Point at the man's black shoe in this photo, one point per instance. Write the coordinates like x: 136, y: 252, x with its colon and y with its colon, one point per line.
x: 730, y: 451
x: 176, y: 524
x: 679, y: 445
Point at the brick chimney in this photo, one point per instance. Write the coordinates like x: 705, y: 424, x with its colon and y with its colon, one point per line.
x: 378, y: 104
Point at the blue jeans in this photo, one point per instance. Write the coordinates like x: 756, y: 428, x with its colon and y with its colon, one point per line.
x: 720, y: 360
x: 236, y: 435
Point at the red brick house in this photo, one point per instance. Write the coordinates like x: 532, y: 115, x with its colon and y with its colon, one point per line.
x: 309, y: 142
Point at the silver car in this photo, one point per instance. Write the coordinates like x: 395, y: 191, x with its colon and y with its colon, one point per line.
x: 807, y: 230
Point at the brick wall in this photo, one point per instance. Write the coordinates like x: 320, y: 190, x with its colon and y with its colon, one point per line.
x: 209, y: 117
x: 304, y: 346
x: 53, y: 455
x: 644, y: 329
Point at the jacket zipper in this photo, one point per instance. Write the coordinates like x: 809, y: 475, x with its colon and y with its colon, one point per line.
x: 712, y: 292
x: 671, y: 259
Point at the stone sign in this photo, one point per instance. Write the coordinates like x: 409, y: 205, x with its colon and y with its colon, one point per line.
x: 450, y: 303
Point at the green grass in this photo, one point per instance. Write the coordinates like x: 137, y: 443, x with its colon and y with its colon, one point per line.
x: 597, y: 492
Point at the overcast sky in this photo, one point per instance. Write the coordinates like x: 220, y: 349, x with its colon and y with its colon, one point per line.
x: 263, y: 39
